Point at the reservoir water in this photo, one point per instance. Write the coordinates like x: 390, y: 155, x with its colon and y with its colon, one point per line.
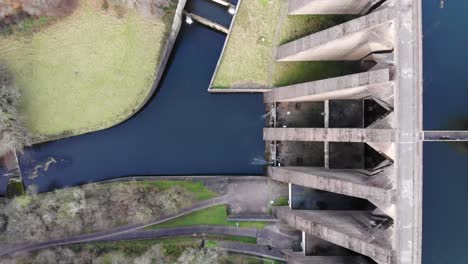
x: 183, y: 130
x: 445, y: 176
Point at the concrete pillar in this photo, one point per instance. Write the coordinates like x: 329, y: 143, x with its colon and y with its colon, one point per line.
x: 348, y: 229
x: 378, y: 83
x: 331, y: 7
x: 329, y: 134
x: 377, y: 188
x: 352, y: 40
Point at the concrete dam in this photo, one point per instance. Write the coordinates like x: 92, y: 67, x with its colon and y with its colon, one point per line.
x: 356, y: 138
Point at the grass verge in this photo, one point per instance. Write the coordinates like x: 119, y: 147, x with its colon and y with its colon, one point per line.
x: 216, y: 215
x: 85, y: 72
x: 261, y: 26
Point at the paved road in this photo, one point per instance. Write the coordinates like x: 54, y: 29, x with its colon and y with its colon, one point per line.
x: 198, y: 231
x: 112, y: 232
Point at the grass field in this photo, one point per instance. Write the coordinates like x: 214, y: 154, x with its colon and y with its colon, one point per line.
x: 261, y: 26
x: 215, y: 215
x: 85, y: 72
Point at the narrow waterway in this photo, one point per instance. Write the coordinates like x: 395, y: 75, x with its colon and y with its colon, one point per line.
x: 445, y: 216
x: 183, y: 130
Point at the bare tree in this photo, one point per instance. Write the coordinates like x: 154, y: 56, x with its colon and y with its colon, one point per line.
x: 13, y: 133
x: 200, y: 256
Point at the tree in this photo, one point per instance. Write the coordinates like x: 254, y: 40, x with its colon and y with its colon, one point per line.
x: 13, y: 133
x: 200, y: 256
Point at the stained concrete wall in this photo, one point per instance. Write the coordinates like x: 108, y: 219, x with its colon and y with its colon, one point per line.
x: 353, y: 86
x: 346, y: 182
x: 348, y: 229
x: 352, y: 40
x: 324, y: 7
x: 297, y: 259
x: 329, y: 134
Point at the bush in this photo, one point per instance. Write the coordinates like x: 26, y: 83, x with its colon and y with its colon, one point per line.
x: 13, y: 133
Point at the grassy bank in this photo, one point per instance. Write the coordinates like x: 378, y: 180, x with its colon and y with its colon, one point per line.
x: 85, y: 72
x: 216, y: 215
x: 261, y: 26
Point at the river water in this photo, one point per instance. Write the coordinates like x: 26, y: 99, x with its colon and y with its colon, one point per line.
x: 445, y: 214
x: 183, y: 130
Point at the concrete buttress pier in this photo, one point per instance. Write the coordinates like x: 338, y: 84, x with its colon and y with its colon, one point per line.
x: 348, y: 229
x: 353, y: 40
x: 330, y: 7
x: 378, y: 83
x: 376, y: 188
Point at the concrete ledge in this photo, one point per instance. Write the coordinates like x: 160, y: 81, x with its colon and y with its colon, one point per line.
x: 349, y: 229
x: 239, y: 90
x: 329, y: 134
x: 352, y: 40
x: 299, y: 258
x: 349, y: 86
x: 330, y: 7
x: 346, y: 182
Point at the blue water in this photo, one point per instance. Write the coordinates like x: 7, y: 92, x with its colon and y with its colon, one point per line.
x: 445, y: 195
x: 183, y: 130
x: 445, y: 58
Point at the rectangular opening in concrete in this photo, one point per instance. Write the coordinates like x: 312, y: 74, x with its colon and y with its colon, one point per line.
x: 344, y: 155
x: 304, y: 198
x: 346, y: 114
x: 299, y: 153
x: 300, y: 114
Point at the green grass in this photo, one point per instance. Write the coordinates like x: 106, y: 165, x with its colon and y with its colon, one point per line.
x: 134, y: 248
x: 248, y: 61
x: 196, y: 187
x: 85, y: 72
x: 215, y: 215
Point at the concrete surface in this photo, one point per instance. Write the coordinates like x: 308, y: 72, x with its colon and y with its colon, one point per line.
x: 329, y: 134
x: 353, y: 86
x: 349, y: 229
x: 346, y: 182
x: 352, y: 40
x: 324, y: 7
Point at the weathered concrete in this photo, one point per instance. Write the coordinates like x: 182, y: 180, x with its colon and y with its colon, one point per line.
x: 408, y: 104
x: 346, y: 182
x: 349, y: 229
x: 208, y: 22
x: 386, y: 149
x: 329, y: 134
x: 387, y: 122
x: 352, y: 40
x: 324, y: 7
x: 298, y: 258
x: 378, y: 83
x: 445, y: 136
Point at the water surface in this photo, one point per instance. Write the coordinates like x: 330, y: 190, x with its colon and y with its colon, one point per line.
x: 445, y: 64
x: 183, y: 130
x: 445, y: 197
